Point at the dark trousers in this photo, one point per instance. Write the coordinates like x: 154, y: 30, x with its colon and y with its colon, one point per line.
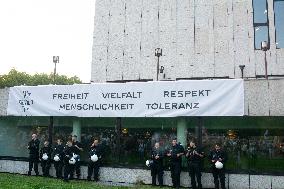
x: 175, y: 173
x: 58, y: 165
x: 219, y: 174
x: 45, y: 165
x: 195, y: 171
x: 78, y: 169
x: 33, y: 163
x: 93, y: 167
x: 68, y: 171
x: 157, y: 170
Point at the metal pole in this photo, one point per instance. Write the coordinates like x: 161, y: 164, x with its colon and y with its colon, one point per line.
x: 54, y: 73
x: 158, y: 65
x: 265, y: 61
x: 50, y: 130
x: 118, y: 137
x: 199, y: 134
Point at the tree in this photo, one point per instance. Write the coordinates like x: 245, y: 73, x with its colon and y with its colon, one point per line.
x: 16, y: 78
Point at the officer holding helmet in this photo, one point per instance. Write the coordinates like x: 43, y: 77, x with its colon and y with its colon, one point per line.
x: 217, y: 158
x: 69, y: 160
x: 45, y: 157
x: 58, y: 158
x: 95, y: 155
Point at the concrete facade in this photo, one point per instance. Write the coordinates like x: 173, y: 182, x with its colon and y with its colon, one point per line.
x: 138, y: 176
x: 199, y: 38
x: 4, y: 95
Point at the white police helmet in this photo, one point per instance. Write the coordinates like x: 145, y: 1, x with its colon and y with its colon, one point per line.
x: 149, y: 163
x: 72, y: 161
x: 75, y: 155
x: 94, y: 158
x: 45, y: 156
x: 219, y: 165
x: 56, y: 158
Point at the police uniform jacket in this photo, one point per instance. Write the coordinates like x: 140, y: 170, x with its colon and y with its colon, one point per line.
x: 77, y: 151
x: 159, y: 152
x: 216, y: 155
x: 177, y: 149
x: 33, y: 147
x: 46, y: 150
x: 68, y: 153
x: 96, y: 150
x: 192, y: 156
x: 59, y: 150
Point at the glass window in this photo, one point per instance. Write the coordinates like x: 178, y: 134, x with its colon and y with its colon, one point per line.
x: 279, y: 22
x: 253, y: 144
x: 139, y: 136
x: 15, y: 133
x: 260, y: 22
x: 261, y: 34
x: 260, y: 11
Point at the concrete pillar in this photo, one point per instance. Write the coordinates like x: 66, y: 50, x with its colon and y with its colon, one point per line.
x: 77, y: 128
x: 182, y: 131
x: 182, y: 135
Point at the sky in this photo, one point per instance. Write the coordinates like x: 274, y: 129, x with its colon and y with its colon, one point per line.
x: 33, y: 31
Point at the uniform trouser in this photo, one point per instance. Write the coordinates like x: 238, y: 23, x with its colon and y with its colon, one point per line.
x: 195, y: 171
x: 58, y: 165
x: 45, y: 165
x: 157, y: 170
x: 33, y: 163
x: 219, y: 174
x: 78, y: 168
x: 68, y: 171
x: 175, y: 173
x: 93, y: 167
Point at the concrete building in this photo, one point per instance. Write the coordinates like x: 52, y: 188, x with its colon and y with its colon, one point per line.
x: 199, y: 39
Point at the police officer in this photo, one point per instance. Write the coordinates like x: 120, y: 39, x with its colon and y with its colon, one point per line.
x: 69, y: 161
x: 218, y: 155
x: 45, y: 157
x: 95, y: 156
x: 157, y: 156
x: 175, y: 153
x: 78, y: 149
x: 194, y: 157
x: 33, y: 147
x: 58, y: 158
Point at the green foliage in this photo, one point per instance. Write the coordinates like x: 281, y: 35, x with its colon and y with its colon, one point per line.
x: 12, y: 181
x: 16, y: 78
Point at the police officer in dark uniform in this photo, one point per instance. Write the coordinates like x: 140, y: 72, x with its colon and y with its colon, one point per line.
x: 58, y: 158
x: 157, y: 168
x: 69, y: 160
x: 45, y: 156
x: 33, y: 147
x: 78, y: 149
x: 95, y: 156
x: 175, y: 154
x: 194, y: 157
x: 218, y: 155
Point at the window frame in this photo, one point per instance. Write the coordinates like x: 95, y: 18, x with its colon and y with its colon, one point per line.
x: 275, y: 23
x: 265, y: 24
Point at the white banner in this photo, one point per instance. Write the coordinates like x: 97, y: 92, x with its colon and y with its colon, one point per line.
x: 134, y: 99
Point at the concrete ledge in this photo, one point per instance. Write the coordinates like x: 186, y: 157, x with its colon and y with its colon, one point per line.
x: 133, y: 176
x: 277, y: 182
x: 260, y: 182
